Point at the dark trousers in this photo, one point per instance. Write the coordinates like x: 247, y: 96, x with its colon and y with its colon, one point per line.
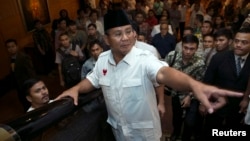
x: 193, y: 122
x: 190, y: 119
x: 177, y: 116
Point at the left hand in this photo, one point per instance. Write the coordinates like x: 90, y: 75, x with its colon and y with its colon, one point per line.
x: 186, y: 102
x: 243, y: 105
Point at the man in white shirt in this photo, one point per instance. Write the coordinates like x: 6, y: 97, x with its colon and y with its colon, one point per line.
x: 93, y: 18
x: 156, y: 28
x: 127, y: 76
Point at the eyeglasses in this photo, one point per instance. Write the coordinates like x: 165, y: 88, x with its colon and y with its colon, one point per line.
x: 243, y: 42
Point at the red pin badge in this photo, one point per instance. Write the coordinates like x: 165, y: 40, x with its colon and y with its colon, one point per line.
x: 104, y: 71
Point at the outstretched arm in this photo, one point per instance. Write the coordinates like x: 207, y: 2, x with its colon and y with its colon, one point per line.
x: 209, y: 96
x: 83, y: 87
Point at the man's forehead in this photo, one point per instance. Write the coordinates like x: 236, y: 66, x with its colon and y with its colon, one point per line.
x: 189, y: 44
x: 120, y: 28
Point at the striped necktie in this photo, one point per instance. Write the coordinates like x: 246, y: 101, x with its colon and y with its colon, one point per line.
x: 238, y: 65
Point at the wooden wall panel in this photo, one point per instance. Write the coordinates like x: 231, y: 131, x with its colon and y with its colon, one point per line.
x: 12, y: 25
x: 56, y: 5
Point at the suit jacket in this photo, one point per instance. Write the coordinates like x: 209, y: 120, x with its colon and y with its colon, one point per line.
x: 221, y: 72
x: 23, y: 68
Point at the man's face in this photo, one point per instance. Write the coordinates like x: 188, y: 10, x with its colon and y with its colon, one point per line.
x: 65, y: 41
x: 150, y: 13
x: 139, y: 18
x: 93, y: 17
x: 38, y: 94
x: 63, y: 24
x: 120, y: 39
x: 241, y: 44
x: 218, y: 20
x: 163, y: 20
x: 164, y: 29
x: 208, y: 42
x: 188, y: 50
x: 206, y: 28
x: 12, y: 48
x: 73, y: 28
x: 96, y: 50
x: 91, y: 31
x: 222, y: 43
x: 141, y: 38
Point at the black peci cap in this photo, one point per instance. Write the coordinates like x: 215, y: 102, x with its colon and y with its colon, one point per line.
x: 115, y: 18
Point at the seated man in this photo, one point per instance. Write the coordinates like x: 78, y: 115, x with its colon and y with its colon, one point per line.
x: 36, y: 93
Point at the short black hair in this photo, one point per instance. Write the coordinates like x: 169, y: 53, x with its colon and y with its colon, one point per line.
x: 28, y: 84
x: 189, y: 28
x: 79, y: 11
x: 208, y: 22
x: 190, y: 39
x: 9, y: 41
x: 62, y: 34
x: 244, y: 30
x: 62, y: 19
x: 63, y: 10
x: 142, y: 34
x: 224, y: 32
x: 93, y: 42
x: 93, y: 11
x: 92, y: 24
x: 71, y: 22
x: 210, y: 35
x: 199, y: 17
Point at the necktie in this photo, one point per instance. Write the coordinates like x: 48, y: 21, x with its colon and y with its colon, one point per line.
x: 238, y: 65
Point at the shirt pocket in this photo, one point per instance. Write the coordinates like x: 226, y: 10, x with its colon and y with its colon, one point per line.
x: 132, y: 89
x: 106, y: 88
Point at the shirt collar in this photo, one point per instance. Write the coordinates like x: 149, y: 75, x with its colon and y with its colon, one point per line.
x: 245, y: 56
x: 192, y: 60
x: 242, y: 57
x: 129, y: 58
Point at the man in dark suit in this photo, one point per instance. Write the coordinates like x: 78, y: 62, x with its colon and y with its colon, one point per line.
x: 21, y: 70
x: 227, y: 71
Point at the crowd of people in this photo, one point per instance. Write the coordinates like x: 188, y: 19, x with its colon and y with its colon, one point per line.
x: 185, y: 49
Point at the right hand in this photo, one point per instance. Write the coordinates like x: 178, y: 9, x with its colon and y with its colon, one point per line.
x: 72, y: 92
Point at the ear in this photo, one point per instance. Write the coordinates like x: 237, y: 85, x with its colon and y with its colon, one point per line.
x: 230, y: 42
x: 135, y: 34
x: 106, y: 40
x: 29, y: 98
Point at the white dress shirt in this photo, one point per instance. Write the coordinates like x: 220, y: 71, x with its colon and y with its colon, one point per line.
x: 128, y: 89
